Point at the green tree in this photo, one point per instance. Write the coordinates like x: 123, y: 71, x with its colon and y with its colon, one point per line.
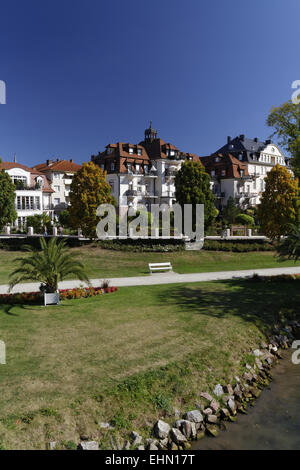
x: 192, y: 185
x: 245, y: 220
x: 286, y: 121
x: 279, y: 205
x: 7, y: 200
x: 52, y: 264
x: 64, y: 218
x: 289, y: 248
x: 38, y: 221
x: 231, y: 211
x: 89, y: 189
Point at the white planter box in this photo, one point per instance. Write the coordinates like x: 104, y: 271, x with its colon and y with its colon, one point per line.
x: 51, y: 299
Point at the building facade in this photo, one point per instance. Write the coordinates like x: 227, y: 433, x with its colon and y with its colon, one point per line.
x: 142, y: 173
x: 33, y: 192
x: 59, y: 174
x: 239, y: 168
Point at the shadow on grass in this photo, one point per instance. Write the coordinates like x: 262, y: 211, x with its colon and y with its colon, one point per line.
x: 259, y: 303
x: 8, y: 308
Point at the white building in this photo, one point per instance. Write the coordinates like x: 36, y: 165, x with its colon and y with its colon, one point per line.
x: 239, y: 168
x: 59, y: 174
x: 142, y: 173
x: 33, y: 192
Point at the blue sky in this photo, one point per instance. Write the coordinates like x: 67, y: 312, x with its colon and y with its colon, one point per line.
x: 81, y: 74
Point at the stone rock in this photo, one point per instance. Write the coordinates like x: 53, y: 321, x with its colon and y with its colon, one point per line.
x: 231, y: 404
x: 257, y: 353
x: 218, y: 390
x: 248, y: 377
x: 263, y: 345
x: 237, y: 379
x: 52, y: 445
x: 178, y: 423
x: 214, y: 405
x: 213, y: 419
x: 107, y: 426
x: 195, y: 416
x: 177, y: 436
x: 161, y: 429
x: 141, y: 448
x: 228, y: 389
x: 212, y: 431
x: 88, y: 445
x: 136, y: 439
x: 164, y: 442
x: 208, y: 411
x: 126, y: 445
x: 186, y: 428
x: 225, y: 413
x: 258, y: 363
x: 207, y: 396
x: 152, y: 447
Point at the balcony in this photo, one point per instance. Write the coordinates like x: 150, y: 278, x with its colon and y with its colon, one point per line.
x: 131, y: 193
x: 28, y: 208
x: 170, y: 173
x: 169, y: 194
x: 151, y: 174
x: 150, y: 195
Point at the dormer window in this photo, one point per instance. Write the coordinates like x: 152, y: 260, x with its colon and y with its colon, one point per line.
x: 108, y: 151
x: 217, y: 159
x: 112, y: 166
x: 240, y: 157
x: 242, y: 173
x: 139, y: 151
x: 130, y: 150
x: 223, y: 172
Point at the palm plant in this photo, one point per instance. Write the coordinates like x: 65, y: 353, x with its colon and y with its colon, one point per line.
x: 290, y: 246
x: 49, y: 266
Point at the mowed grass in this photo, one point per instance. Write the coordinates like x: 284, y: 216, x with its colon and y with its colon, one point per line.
x: 127, y: 357
x: 108, y: 263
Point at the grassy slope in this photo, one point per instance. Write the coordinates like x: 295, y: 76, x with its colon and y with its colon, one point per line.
x: 129, y: 356
x: 105, y: 263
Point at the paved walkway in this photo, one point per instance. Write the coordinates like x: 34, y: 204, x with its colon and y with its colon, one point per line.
x: 161, y: 278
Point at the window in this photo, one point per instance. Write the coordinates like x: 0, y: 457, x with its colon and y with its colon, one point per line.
x: 57, y: 189
x: 56, y: 201
x: 146, y: 169
x: 217, y: 159
x: 108, y: 151
x: 242, y: 173
x: 137, y: 167
x: 139, y: 151
x: 57, y: 175
x: 112, y: 166
x: 213, y: 173
x: 130, y: 150
x: 111, y: 183
x: 223, y: 172
x: 240, y: 156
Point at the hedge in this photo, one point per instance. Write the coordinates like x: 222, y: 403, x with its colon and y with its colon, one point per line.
x: 239, y: 246
x: 17, y: 243
x: 143, y: 245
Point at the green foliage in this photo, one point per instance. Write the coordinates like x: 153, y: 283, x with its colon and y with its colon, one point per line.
x: 279, y: 203
x: 51, y: 265
x: 231, y: 211
x: 286, y: 121
x: 245, y: 219
x: 38, y: 221
x: 240, y: 246
x: 89, y: 189
x: 7, y: 200
x: 289, y: 248
x: 64, y: 218
x: 193, y: 187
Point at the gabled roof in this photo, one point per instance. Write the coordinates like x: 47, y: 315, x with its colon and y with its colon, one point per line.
x: 11, y: 165
x: 58, y: 165
x: 33, y: 174
x: 241, y: 144
x: 227, y: 162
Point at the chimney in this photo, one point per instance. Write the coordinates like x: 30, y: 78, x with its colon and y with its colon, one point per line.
x: 242, y: 137
x: 15, y: 158
x: 228, y: 139
x: 268, y: 142
x: 255, y: 139
x: 49, y: 162
x: 71, y: 160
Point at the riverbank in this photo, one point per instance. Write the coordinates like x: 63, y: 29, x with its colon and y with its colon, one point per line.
x: 98, y: 369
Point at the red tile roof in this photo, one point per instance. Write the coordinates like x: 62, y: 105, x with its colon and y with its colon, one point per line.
x: 60, y: 165
x: 33, y: 174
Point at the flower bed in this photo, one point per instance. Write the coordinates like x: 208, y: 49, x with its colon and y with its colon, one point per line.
x: 37, y: 297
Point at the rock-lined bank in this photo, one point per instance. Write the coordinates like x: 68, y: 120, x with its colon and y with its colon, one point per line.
x: 214, y: 408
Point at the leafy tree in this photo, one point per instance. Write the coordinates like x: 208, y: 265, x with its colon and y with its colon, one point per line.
x: 245, y: 219
x: 279, y: 203
x: 286, y: 121
x: 64, y: 218
x: 38, y: 221
x: 89, y: 189
x: 7, y: 200
x: 192, y: 185
x: 51, y: 265
x: 290, y: 247
x: 231, y: 211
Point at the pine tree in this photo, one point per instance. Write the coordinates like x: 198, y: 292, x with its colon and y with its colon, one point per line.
x: 7, y: 200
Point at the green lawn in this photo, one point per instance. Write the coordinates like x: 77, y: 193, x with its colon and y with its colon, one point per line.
x: 106, y: 263
x: 130, y: 356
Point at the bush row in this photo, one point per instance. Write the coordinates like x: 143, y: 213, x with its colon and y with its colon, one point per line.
x: 16, y: 243
x: 37, y: 298
x: 143, y: 245
x: 279, y: 278
x: 240, y: 246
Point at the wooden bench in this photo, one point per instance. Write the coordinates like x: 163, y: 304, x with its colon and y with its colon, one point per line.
x: 159, y: 267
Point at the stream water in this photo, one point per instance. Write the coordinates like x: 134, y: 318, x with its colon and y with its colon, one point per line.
x: 273, y: 423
